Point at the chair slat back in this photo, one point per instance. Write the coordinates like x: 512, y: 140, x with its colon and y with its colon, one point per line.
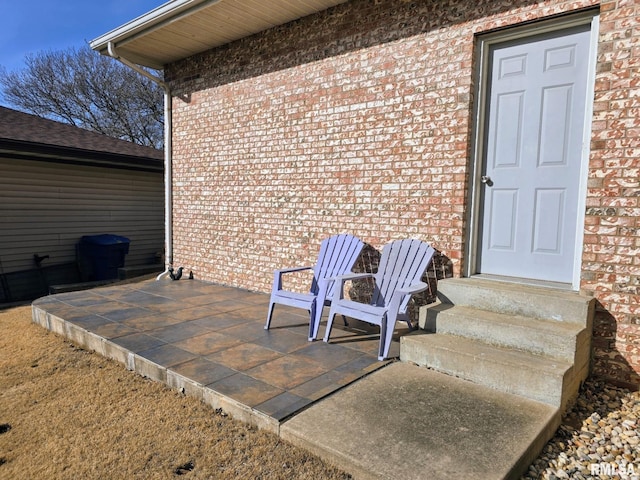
x: 337, y: 256
x: 403, y: 262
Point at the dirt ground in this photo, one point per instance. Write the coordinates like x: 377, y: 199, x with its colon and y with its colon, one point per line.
x: 66, y: 413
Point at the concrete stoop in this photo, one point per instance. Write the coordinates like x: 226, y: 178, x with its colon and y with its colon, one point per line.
x: 408, y: 422
x: 524, y: 340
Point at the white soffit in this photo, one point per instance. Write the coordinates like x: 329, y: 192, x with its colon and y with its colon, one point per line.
x: 181, y: 28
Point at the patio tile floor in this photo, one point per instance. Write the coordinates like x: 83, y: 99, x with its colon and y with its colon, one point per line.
x: 210, y: 340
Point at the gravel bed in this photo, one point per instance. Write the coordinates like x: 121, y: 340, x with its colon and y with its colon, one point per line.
x: 598, y: 439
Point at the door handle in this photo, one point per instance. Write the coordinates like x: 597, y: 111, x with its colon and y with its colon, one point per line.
x: 486, y: 180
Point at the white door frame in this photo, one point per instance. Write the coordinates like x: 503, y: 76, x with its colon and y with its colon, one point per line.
x: 480, y: 110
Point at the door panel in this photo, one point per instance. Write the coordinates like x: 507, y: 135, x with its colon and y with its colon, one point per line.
x: 508, y: 132
x: 504, y: 209
x: 547, y: 230
x: 534, y: 121
x: 556, y: 112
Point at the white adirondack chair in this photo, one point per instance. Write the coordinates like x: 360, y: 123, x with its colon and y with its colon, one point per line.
x: 402, y: 265
x: 337, y: 256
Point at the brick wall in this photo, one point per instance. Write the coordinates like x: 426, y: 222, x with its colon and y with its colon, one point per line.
x: 611, y: 257
x: 358, y: 119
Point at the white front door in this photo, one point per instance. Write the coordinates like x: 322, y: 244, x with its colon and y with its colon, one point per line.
x: 534, y: 133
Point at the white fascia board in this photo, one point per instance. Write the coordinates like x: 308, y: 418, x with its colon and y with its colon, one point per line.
x: 157, y: 17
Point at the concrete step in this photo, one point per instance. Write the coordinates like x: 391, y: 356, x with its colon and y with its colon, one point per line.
x: 517, y: 299
x: 561, y: 340
x: 512, y: 371
x: 526, y: 340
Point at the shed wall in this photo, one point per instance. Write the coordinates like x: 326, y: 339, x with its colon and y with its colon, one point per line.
x: 46, y: 207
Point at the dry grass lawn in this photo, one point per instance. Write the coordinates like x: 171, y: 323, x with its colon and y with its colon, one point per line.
x: 69, y: 413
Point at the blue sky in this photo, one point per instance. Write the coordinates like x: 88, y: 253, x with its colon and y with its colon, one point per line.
x: 32, y: 26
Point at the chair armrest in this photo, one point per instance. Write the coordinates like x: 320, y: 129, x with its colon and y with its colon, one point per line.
x: 338, y: 294
x: 400, y: 293
x: 277, y: 276
x: 413, y: 288
x: 293, y: 269
x: 350, y: 276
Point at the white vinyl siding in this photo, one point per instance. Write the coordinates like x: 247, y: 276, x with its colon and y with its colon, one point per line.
x: 46, y: 207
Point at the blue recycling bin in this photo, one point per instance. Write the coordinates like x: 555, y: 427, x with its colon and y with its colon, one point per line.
x: 101, y: 256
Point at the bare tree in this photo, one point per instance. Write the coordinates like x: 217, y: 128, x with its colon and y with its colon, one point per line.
x: 88, y: 90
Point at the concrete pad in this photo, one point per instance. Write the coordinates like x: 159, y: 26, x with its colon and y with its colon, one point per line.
x: 408, y: 422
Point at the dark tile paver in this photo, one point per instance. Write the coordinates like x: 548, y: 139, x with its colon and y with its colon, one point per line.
x: 179, y: 331
x: 150, y: 321
x: 120, y: 314
x: 90, y: 322
x: 221, y: 321
x: 193, y: 312
x: 323, y: 385
x: 76, y: 299
x: 244, y: 356
x: 112, y: 330
x: 167, y: 355
x: 360, y: 365
x: 283, y: 341
x: 246, y: 389
x: 138, y: 342
x: 208, y: 343
x: 283, y: 405
x: 249, y: 331
x: 136, y: 297
x: 203, y: 371
x: 287, y: 372
x: 330, y: 356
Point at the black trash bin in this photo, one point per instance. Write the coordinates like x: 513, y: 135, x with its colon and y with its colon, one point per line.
x: 101, y: 256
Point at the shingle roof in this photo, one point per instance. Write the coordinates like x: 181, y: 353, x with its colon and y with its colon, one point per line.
x: 23, y: 128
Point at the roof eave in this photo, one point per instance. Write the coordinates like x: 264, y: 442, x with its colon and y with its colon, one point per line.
x: 16, y: 149
x: 155, y: 19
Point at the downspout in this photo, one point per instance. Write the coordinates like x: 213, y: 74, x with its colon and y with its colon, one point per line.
x: 168, y: 174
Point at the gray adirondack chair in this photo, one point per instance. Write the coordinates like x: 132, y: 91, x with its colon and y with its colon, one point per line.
x: 337, y: 257
x: 401, y: 267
